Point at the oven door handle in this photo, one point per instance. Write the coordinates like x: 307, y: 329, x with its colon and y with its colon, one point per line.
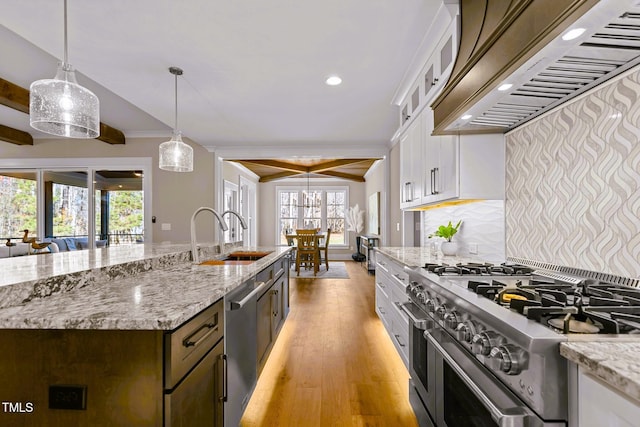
x: 420, y: 323
x: 514, y: 417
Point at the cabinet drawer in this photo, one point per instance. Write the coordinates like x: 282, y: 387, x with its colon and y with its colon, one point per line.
x: 280, y: 266
x: 186, y: 345
x: 267, y: 276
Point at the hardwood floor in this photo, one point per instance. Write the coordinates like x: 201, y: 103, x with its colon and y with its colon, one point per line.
x: 333, y: 363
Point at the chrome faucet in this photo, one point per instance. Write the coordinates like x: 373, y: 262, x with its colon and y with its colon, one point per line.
x: 243, y: 223
x: 194, y: 246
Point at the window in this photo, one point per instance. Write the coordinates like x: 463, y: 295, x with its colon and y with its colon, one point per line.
x: 77, y: 198
x: 319, y: 208
x: 18, y: 204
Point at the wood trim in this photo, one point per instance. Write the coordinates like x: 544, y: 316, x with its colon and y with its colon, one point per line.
x: 17, y: 97
x: 278, y: 175
x: 279, y: 164
x: 487, y: 57
x: 334, y: 164
x: 15, y: 136
x: 350, y: 177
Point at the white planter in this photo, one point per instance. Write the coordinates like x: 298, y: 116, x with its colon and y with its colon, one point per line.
x: 449, y: 248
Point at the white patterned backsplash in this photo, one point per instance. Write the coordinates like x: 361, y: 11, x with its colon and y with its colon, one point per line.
x: 482, y: 225
x: 572, y: 182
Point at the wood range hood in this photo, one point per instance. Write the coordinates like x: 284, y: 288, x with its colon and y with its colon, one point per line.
x: 519, y: 42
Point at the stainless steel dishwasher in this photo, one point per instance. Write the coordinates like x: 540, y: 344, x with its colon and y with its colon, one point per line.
x: 240, y: 348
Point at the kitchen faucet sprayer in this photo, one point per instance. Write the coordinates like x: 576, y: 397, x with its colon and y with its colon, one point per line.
x: 243, y: 223
x: 194, y: 246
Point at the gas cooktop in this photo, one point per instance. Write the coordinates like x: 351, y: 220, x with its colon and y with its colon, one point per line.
x: 478, y: 269
x: 589, y: 306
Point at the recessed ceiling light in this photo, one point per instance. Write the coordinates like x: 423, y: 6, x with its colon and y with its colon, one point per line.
x: 573, y: 34
x: 504, y: 87
x: 466, y: 117
x: 334, y: 81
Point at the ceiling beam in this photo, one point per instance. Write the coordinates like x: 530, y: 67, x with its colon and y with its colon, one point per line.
x: 280, y: 175
x: 15, y: 136
x: 16, y: 97
x: 350, y: 177
x: 278, y: 164
x: 334, y: 164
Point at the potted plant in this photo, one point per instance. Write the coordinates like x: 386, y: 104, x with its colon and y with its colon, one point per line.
x: 447, y: 232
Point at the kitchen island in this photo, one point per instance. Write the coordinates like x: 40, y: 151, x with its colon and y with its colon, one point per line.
x: 100, y: 319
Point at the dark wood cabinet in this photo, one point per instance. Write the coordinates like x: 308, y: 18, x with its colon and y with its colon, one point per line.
x: 273, y: 307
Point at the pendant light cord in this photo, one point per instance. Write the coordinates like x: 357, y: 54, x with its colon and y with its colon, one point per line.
x: 176, y: 118
x: 65, y: 57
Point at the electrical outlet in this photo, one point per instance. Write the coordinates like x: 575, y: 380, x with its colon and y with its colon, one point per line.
x: 68, y: 397
x: 473, y: 248
x: 166, y: 226
x: 397, y: 226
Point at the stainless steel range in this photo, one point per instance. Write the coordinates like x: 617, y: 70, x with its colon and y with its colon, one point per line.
x: 484, y: 339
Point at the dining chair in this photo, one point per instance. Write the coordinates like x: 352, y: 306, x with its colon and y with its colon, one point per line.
x: 324, y: 247
x: 307, y: 252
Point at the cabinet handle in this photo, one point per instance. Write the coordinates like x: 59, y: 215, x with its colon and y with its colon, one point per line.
x: 225, y: 382
x: 435, y: 80
x: 213, y: 327
x: 397, y: 276
x: 408, y: 191
x: 431, y: 178
x: 381, y: 310
x: 397, y: 337
x: 436, y: 176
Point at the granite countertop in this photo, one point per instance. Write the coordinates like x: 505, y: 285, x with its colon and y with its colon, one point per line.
x: 145, y: 287
x: 419, y: 256
x: 614, y: 360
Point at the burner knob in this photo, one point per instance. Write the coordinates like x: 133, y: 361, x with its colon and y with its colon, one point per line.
x: 431, y: 303
x: 441, y: 311
x: 451, y: 320
x: 507, y: 358
x: 413, y: 287
x: 467, y: 330
x: 421, y: 296
x: 483, y: 342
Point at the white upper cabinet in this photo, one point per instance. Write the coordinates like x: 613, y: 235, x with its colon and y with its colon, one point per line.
x: 411, y: 178
x: 449, y: 167
x: 433, y: 75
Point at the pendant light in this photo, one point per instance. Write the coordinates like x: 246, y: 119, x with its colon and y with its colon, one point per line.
x: 60, y: 106
x: 175, y: 155
x: 308, y: 202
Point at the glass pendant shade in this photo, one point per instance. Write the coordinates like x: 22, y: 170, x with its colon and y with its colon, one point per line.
x: 175, y: 155
x: 61, y: 107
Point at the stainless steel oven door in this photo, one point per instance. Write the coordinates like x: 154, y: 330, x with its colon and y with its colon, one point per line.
x: 421, y: 356
x: 467, y: 394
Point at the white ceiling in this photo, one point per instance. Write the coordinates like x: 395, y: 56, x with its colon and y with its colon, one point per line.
x: 254, y: 71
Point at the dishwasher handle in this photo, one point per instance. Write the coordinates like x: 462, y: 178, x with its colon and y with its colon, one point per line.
x: 237, y: 305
